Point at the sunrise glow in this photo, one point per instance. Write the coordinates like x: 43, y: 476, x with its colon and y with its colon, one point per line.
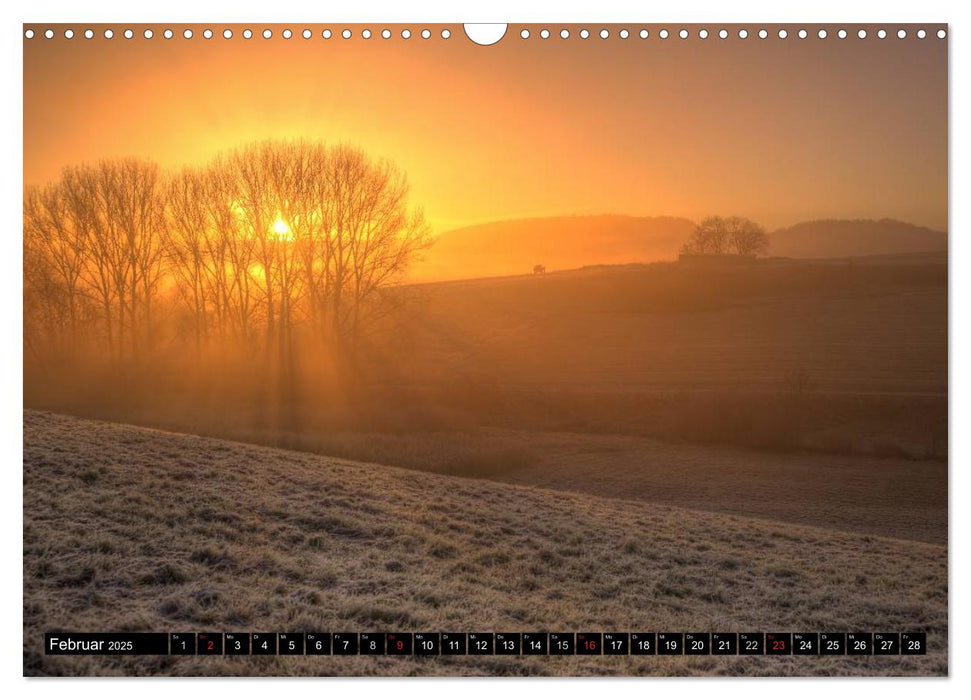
x: 281, y: 229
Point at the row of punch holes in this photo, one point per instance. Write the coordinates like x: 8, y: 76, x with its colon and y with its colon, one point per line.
x: 524, y: 33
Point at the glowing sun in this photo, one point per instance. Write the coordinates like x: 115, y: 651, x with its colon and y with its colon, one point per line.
x: 282, y: 230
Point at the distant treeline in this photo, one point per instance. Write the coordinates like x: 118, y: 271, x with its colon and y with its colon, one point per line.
x: 733, y: 235
x: 265, y: 242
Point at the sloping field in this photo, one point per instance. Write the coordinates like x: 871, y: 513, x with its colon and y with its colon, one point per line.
x: 890, y: 497
x: 845, y: 327
x: 558, y: 243
x: 133, y: 529
x: 899, y: 498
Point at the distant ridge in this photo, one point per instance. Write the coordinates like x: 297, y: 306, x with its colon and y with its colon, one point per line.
x: 515, y: 246
x: 836, y: 238
x: 558, y: 243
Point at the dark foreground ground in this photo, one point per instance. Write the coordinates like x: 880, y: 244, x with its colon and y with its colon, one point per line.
x: 132, y: 529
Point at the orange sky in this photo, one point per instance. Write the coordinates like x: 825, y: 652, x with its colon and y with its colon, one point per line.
x: 777, y: 130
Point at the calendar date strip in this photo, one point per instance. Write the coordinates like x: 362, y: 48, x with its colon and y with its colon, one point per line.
x: 486, y: 643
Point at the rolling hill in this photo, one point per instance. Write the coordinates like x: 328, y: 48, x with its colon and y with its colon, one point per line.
x: 569, y: 242
x: 131, y: 529
x: 559, y: 243
x: 842, y: 238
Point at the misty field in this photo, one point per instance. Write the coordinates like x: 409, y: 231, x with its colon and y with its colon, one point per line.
x: 864, y: 326
x: 133, y: 529
x: 808, y: 392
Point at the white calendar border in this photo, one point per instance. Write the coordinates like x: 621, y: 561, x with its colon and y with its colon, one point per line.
x: 711, y: 11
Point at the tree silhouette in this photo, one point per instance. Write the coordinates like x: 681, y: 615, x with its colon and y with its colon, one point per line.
x: 264, y: 243
x: 733, y: 235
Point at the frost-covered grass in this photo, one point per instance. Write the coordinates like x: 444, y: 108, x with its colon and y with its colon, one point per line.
x: 133, y: 529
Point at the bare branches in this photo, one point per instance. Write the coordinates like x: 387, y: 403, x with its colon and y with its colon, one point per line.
x: 97, y: 234
x: 266, y: 242
x: 733, y: 235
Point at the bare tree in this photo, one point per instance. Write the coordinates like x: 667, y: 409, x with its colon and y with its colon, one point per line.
x: 710, y: 236
x: 377, y: 234
x: 247, y: 172
x: 745, y: 237
x: 131, y: 215
x: 54, y: 250
x: 83, y: 202
x: 296, y: 237
x: 232, y: 255
x: 189, y: 230
x: 733, y: 235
